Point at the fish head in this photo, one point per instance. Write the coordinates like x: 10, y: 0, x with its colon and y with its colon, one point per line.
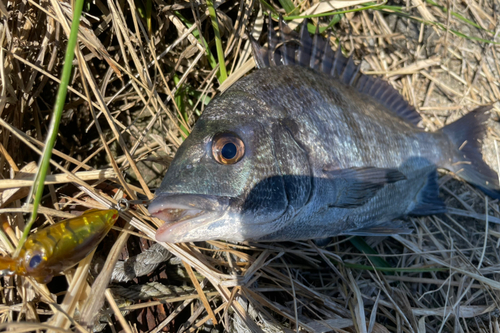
x: 225, y: 181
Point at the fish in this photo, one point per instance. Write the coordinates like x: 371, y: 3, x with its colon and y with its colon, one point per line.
x: 308, y: 147
x: 60, y: 246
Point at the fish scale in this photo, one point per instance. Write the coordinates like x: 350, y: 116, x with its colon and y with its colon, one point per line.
x: 324, y: 150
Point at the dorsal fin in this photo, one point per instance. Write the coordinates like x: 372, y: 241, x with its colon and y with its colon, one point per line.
x: 289, y: 48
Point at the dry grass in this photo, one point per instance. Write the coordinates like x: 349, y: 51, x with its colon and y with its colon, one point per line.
x: 126, y: 114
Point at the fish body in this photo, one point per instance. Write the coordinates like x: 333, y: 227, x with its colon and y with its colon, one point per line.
x: 306, y: 147
x: 60, y: 246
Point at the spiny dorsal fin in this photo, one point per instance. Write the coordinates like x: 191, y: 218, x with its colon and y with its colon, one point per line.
x: 289, y: 48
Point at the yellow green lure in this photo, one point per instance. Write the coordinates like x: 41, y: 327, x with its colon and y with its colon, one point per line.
x: 60, y: 246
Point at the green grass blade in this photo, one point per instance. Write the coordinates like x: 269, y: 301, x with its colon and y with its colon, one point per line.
x: 149, y: 11
x: 360, y: 244
x: 179, y: 98
x: 37, y: 189
x: 394, y: 269
x: 197, y: 35
x: 270, y: 8
x: 397, y: 10
x: 390, y: 270
x: 458, y: 16
x: 287, y: 5
x: 379, y: 264
x: 366, y: 6
x: 312, y: 28
x: 218, y: 41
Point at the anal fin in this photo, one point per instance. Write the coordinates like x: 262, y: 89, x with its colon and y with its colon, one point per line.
x: 428, y: 200
x: 395, y: 227
x: 322, y: 242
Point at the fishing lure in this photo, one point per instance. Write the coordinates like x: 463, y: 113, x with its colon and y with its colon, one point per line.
x: 60, y: 246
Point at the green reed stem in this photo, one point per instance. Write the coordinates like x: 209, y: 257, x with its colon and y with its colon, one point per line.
x: 37, y: 189
x: 218, y: 42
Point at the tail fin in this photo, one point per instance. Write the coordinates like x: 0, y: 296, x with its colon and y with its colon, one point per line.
x: 466, y: 133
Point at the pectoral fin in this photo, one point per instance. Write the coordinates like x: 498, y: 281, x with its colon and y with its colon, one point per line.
x: 355, y: 186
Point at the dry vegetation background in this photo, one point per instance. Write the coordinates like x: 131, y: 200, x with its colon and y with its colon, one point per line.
x: 125, y: 116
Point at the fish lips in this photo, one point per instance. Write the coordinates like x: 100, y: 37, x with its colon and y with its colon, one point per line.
x: 187, y: 216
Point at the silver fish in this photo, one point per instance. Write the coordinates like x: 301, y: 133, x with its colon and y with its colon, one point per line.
x: 306, y: 147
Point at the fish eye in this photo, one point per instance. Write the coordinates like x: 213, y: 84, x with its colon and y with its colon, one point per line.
x: 227, y: 148
x: 35, y: 261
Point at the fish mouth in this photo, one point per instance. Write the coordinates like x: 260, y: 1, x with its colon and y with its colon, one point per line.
x: 185, y: 215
